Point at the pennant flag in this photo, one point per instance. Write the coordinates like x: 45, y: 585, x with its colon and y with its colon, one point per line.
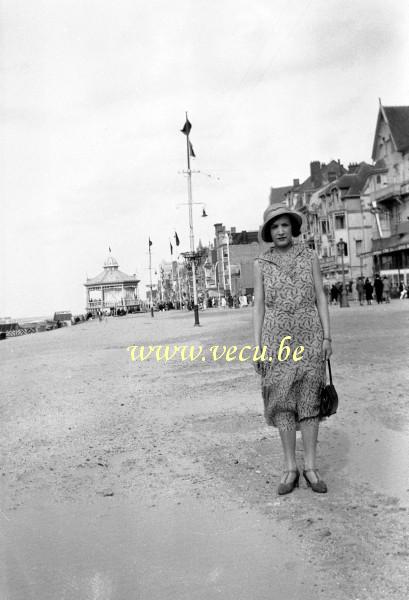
x: 186, y: 127
x: 150, y: 243
x: 171, y: 248
x: 191, y: 151
x: 177, y: 239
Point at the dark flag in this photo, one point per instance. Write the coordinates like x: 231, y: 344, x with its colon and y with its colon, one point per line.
x: 186, y: 127
x: 171, y: 247
x: 150, y: 243
x: 191, y: 151
x: 177, y: 239
x: 109, y: 248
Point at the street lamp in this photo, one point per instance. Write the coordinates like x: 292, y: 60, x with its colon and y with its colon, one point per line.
x: 227, y: 242
x: 344, y: 297
x: 217, y: 280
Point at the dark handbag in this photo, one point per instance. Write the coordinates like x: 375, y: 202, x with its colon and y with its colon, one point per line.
x: 329, y: 397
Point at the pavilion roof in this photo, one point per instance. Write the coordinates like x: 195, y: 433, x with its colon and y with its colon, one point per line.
x: 110, y: 276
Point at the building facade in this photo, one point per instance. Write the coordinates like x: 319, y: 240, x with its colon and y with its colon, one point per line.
x: 333, y: 208
x: 338, y: 213
x: 235, y: 253
x: 387, y: 194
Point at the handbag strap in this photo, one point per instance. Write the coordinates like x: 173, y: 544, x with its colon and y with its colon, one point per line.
x: 329, y: 371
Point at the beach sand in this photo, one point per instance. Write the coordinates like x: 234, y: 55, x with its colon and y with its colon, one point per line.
x: 148, y: 480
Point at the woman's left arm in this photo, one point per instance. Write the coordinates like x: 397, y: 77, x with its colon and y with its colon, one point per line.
x: 322, y: 305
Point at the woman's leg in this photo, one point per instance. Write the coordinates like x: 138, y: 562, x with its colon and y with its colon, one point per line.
x: 288, y: 443
x: 287, y: 428
x: 309, y: 432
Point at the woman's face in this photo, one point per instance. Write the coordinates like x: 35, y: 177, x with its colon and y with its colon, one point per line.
x: 280, y: 230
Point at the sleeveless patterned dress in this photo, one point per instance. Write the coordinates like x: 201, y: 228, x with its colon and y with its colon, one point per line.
x: 291, y: 390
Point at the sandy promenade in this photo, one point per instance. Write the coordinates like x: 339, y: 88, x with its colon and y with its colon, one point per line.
x: 126, y: 480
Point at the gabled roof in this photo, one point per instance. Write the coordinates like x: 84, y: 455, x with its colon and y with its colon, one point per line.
x: 277, y: 195
x: 380, y: 166
x: 397, y: 117
x: 351, y: 184
x: 332, y: 167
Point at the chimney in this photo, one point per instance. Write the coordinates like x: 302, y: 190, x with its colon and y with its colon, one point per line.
x: 316, y: 176
x: 353, y: 167
x: 296, y: 182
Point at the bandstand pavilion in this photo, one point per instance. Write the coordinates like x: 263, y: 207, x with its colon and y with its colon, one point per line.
x: 112, y: 289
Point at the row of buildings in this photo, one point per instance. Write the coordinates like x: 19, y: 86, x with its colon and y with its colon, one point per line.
x: 366, y: 206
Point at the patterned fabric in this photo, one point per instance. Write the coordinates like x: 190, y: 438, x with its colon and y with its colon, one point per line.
x: 291, y: 389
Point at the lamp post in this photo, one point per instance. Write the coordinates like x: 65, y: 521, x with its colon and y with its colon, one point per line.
x: 227, y: 242
x: 150, y: 277
x: 344, y: 297
x: 218, y: 282
x: 180, y: 291
x: 189, y: 151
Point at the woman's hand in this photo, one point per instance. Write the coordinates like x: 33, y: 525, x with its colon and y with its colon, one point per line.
x: 258, y: 366
x: 326, y: 349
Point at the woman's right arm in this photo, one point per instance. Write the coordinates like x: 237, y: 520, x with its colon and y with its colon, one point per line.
x: 258, y: 312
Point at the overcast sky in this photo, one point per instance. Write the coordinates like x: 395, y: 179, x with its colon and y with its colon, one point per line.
x: 93, y: 97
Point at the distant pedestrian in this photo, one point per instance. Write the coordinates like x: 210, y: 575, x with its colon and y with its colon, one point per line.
x: 243, y: 301
x: 386, y: 289
x: 368, y: 291
x: 360, y: 288
x: 404, y: 292
x: 378, y: 288
x: 334, y: 294
x: 340, y: 289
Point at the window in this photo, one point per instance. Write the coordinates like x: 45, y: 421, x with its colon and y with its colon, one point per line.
x: 324, y: 226
x: 358, y: 247
x: 378, y: 179
x: 339, y: 221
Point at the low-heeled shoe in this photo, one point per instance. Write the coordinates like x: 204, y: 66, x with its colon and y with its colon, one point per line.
x: 287, y: 488
x: 320, y: 486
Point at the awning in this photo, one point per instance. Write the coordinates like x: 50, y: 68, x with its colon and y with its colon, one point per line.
x: 390, y: 245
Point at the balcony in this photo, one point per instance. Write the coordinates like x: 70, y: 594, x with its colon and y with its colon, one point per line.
x: 328, y: 263
x: 388, y: 192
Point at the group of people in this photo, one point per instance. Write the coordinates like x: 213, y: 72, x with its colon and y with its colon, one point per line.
x: 365, y: 290
x: 381, y: 287
x: 236, y: 301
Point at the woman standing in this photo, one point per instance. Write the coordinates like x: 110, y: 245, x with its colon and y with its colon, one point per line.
x: 368, y: 291
x: 290, y: 301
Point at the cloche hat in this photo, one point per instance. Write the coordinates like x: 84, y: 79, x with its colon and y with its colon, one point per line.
x: 277, y: 210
